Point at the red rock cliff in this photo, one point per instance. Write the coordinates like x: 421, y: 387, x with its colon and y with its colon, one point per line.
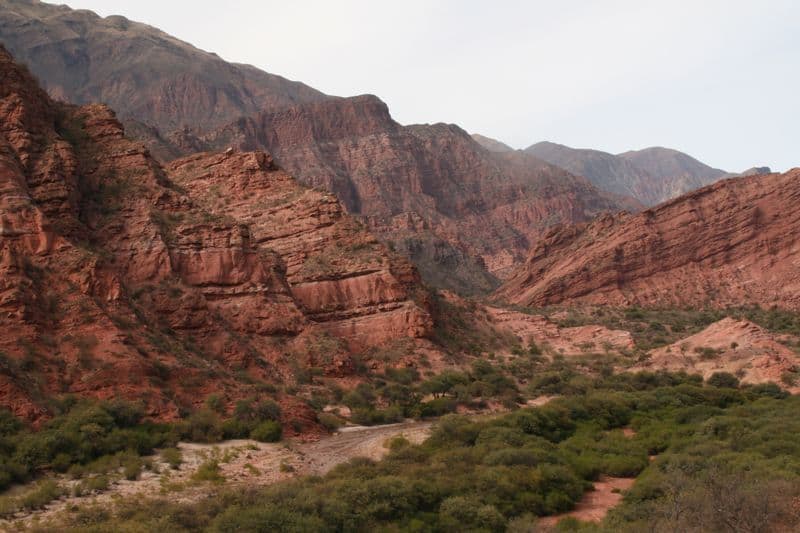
x: 731, y: 243
x: 116, y: 282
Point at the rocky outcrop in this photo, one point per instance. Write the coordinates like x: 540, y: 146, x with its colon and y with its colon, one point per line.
x: 731, y: 243
x: 138, y: 70
x: 342, y: 278
x: 117, y: 282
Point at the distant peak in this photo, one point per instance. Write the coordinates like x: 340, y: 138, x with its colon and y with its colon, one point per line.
x: 490, y: 144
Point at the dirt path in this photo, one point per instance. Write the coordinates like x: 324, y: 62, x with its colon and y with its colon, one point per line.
x: 244, y: 462
x: 595, y: 504
x: 370, y: 442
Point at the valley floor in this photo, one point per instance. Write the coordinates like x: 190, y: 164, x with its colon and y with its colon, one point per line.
x: 242, y: 462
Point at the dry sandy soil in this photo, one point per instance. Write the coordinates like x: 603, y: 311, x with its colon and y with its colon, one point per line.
x: 736, y: 346
x: 567, y: 341
x: 241, y: 462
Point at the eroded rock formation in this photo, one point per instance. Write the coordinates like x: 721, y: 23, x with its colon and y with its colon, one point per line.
x: 731, y: 243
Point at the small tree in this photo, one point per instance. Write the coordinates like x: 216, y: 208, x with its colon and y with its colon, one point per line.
x: 723, y: 379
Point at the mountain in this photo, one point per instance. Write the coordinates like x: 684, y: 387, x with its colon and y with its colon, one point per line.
x: 606, y: 171
x: 465, y: 215
x: 754, y: 171
x: 678, y: 173
x: 652, y: 175
x: 139, y: 71
x: 731, y: 243
x: 431, y: 190
x: 220, y: 274
x: 491, y: 144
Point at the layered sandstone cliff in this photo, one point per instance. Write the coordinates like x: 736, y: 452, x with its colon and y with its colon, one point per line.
x: 431, y: 190
x: 731, y: 243
x: 119, y: 282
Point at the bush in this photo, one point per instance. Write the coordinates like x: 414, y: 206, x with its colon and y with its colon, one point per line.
x: 723, y: 379
x: 372, y: 417
x: 132, y: 468
x: 269, y: 431
x: 209, y: 471
x: 203, y: 426
x: 44, y: 493
x: 329, y: 421
x: 97, y: 483
x: 173, y: 457
x: 437, y: 407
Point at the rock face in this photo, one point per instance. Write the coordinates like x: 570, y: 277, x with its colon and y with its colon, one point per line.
x: 731, y: 243
x: 431, y: 190
x: 652, y: 175
x: 465, y: 215
x: 138, y: 70
x: 341, y: 277
x: 118, y: 282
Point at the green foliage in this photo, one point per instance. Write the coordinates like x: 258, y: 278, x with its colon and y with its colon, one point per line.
x: 209, y: 471
x: 41, y: 495
x: 723, y: 455
x: 82, y: 434
x: 268, y: 431
x: 723, y: 379
x: 173, y: 457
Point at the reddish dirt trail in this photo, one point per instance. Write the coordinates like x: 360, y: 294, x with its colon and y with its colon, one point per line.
x: 595, y: 504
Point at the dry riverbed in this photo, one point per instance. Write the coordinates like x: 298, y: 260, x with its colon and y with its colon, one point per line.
x: 243, y: 462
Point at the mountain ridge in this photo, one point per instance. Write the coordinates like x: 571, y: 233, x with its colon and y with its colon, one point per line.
x: 730, y: 243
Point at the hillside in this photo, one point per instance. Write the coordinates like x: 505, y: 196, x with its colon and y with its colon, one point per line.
x: 678, y: 173
x: 606, y: 171
x: 731, y: 243
x: 118, y: 283
x: 139, y: 71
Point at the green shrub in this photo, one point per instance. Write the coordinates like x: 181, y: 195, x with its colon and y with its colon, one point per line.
x: 209, y: 471
x: 44, y: 493
x: 330, y: 421
x: 132, y: 468
x: 173, y: 457
x: 723, y: 379
x: 269, y: 431
x: 437, y: 407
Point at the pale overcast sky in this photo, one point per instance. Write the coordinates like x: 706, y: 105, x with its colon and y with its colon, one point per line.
x: 719, y: 79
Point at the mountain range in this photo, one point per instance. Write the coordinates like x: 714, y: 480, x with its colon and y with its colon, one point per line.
x: 466, y: 215
x: 254, y: 225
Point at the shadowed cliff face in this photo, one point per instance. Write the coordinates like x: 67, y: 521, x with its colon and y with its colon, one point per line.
x: 731, y: 243
x: 123, y: 279
x: 465, y: 215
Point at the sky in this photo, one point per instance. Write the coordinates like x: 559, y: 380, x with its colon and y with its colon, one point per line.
x: 718, y: 79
